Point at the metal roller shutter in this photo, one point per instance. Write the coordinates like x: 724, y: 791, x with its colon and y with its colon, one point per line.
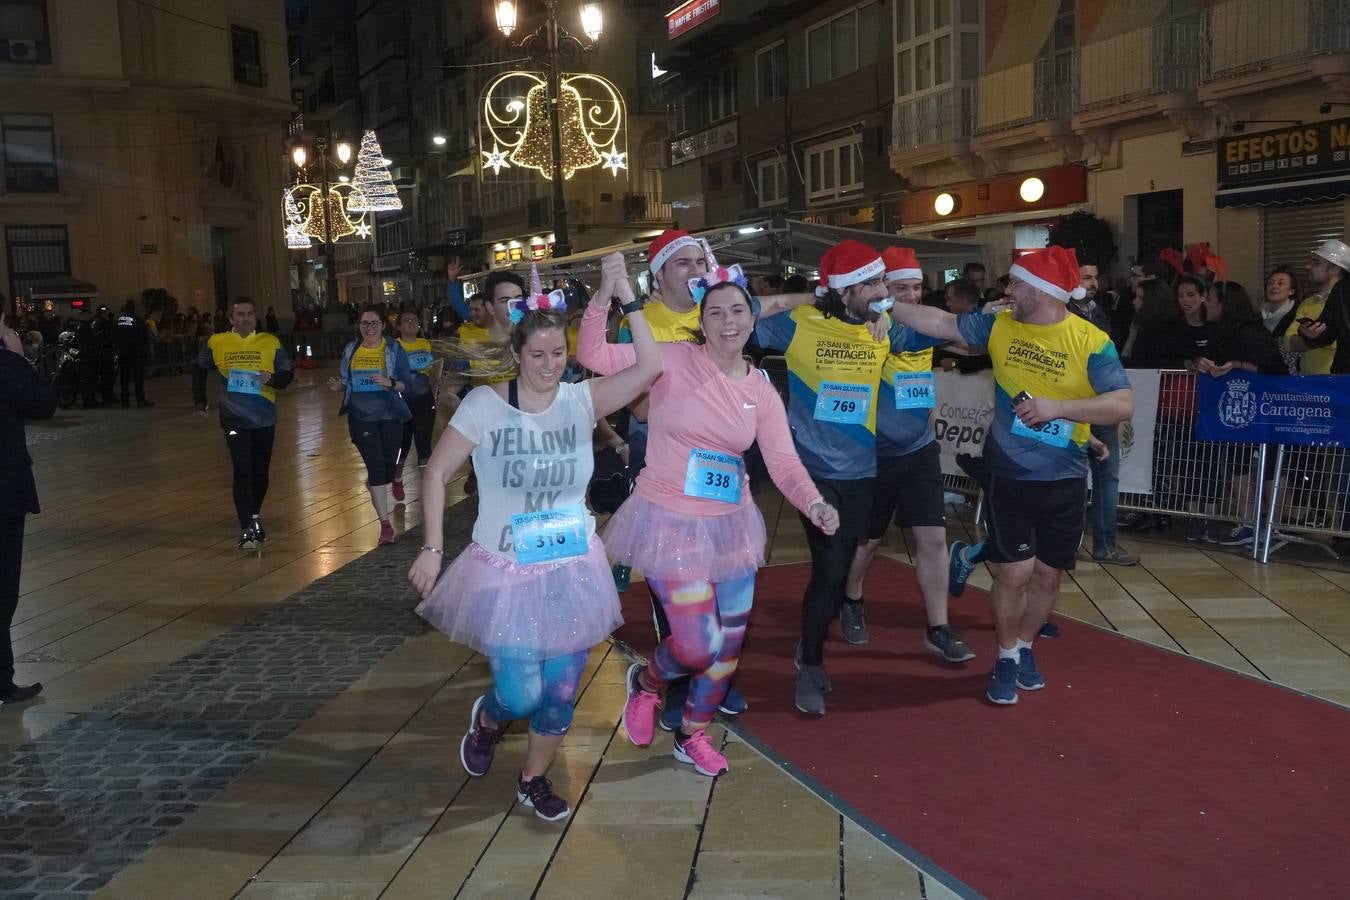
x: 1288, y: 234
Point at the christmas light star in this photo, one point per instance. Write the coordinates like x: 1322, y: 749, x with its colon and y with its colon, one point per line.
x: 614, y: 160
x: 496, y: 160
x: 363, y: 230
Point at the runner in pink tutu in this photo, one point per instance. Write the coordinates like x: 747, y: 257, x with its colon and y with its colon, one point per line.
x: 533, y: 591
x: 691, y: 526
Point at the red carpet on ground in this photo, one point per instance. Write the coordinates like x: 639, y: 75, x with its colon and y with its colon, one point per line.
x: 1136, y: 772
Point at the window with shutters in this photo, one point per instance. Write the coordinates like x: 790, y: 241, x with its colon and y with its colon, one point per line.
x: 35, y: 253
x: 1289, y: 235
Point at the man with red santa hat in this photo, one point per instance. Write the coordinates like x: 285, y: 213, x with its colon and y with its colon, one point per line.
x: 909, y: 477
x: 1055, y: 376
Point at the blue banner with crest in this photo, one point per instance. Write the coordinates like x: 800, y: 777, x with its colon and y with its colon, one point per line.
x: 1244, y: 408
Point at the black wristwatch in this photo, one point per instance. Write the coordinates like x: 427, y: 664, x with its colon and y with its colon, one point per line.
x: 629, y: 308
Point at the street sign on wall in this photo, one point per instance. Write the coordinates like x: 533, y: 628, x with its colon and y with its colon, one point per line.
x: 1296, y: 153
x: 691, y: 15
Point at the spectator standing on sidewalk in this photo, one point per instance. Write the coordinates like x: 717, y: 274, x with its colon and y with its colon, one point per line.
x: 1105, y: 467
x: 22, y: 396
x: 1326, y: 339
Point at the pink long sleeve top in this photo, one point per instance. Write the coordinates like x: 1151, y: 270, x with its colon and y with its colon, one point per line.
x: 694, y: 404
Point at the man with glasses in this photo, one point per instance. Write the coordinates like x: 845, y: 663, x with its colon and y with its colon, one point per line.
x: 251, y: 367
x: 1055, y: 375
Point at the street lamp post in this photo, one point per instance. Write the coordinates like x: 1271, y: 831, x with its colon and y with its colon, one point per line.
x: 344, y: 154
x: 548, y: 45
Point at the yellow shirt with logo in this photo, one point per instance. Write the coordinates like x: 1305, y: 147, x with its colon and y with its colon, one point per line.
x: 1316, y: 361
x: 668, y: 326
x: 368, y: 359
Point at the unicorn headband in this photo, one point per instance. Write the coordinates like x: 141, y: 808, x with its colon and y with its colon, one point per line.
x: 698, y: 287
x: 535, y: 300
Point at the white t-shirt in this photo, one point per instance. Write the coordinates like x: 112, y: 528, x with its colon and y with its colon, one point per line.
x: 527, y: 462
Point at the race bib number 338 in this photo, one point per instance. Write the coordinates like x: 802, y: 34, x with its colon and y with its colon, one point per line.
x: 846, y: 404
x: 549, y: 535
x: 713, y: 476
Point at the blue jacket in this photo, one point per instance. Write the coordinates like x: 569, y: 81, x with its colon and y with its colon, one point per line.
x: 376, y: 406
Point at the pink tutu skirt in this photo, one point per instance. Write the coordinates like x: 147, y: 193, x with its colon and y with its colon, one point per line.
x: 534, y: 612
x: 667, y: 545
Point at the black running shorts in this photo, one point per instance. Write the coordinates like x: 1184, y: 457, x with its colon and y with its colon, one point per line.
x: 1040, y: 519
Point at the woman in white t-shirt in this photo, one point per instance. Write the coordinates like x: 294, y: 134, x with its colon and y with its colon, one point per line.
x: 533, y: 591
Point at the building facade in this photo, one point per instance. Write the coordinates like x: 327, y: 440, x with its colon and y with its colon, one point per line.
x: 1142, y: 113
x: 143, y: 148
x: 780, y: 108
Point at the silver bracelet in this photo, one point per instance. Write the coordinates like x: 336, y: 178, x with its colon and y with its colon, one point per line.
x: 430, y: 549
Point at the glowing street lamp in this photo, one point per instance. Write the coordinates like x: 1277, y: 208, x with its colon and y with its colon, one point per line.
x: 506, y: 17
x: 592, y: 20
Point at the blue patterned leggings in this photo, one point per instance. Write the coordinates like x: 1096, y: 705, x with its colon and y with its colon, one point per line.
x: 542, y: 692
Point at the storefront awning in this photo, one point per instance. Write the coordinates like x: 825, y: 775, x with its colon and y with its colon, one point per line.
x: 768, y: 244
x: 1335, y: 188
x: 63, y: 287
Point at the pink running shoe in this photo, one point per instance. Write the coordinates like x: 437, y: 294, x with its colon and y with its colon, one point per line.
x: 399, y: 493
x: 699, y: 750
x: 386, y: 532
x: 639, y: 710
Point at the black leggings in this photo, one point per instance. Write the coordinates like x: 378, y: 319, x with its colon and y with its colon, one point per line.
x: 11, y: 559
x: 831, y: 557
x: 378, y: 444
x: 251, y: 454
x: 418, y: 428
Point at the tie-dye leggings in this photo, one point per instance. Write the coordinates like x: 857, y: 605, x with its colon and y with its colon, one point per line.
x: 707, y: 626
x: 542, y: 692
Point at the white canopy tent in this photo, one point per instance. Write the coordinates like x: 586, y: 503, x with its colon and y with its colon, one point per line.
x: 767, y: 245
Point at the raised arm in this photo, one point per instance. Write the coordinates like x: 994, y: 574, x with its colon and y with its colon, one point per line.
x: 773, y: 304
x: 593, y: 350
x: 927, y: 320
x: 618, y: 390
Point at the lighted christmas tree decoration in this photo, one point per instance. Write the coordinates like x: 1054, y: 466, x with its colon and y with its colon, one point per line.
x: 372, y: 186
x: 296, y: 239
x: 592, y: 124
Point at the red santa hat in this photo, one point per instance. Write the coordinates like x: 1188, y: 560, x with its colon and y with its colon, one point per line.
x: 848, y: 263
x: 901, y: 263
x: 1053, y: 271
x: 667, y: 244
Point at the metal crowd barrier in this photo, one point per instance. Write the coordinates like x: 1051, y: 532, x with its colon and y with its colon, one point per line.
x: 1303, y: 495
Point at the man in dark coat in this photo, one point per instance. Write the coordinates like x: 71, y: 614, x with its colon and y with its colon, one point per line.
x: 22, y: 395
x: 132, y: 339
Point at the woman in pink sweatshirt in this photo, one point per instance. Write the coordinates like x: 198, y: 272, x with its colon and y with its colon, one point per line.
x: 690, y: 525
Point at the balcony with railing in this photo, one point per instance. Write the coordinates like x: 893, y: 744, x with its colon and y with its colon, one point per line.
x: 1042, y: 90
x: 1161, y: 59
x: 1242, y: 37
x: 646, y: 208
x: 933, y: 120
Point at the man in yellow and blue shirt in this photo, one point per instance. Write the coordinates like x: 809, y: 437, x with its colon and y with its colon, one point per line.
x: 909, y: 476
x: 251, y: 366
x: 834, y: 368
x: 1055, y: 376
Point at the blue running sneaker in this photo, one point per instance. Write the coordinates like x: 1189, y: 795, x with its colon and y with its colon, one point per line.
x: 1048, y: 630
x: 1029, y: 677
x: 734, y: 703
x: 959, y: 568
x: 1003, y: 682
x: 672, y: 714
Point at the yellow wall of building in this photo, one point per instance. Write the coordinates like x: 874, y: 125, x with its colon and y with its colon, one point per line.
x: 140, y: 102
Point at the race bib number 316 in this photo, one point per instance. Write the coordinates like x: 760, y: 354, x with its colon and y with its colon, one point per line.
x: 713, y: 476
x: 846, y: 404
x: 548, y: 535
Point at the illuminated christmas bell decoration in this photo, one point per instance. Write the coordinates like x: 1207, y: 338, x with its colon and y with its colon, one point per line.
x: 593, y: 124
x: 315, y: 225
